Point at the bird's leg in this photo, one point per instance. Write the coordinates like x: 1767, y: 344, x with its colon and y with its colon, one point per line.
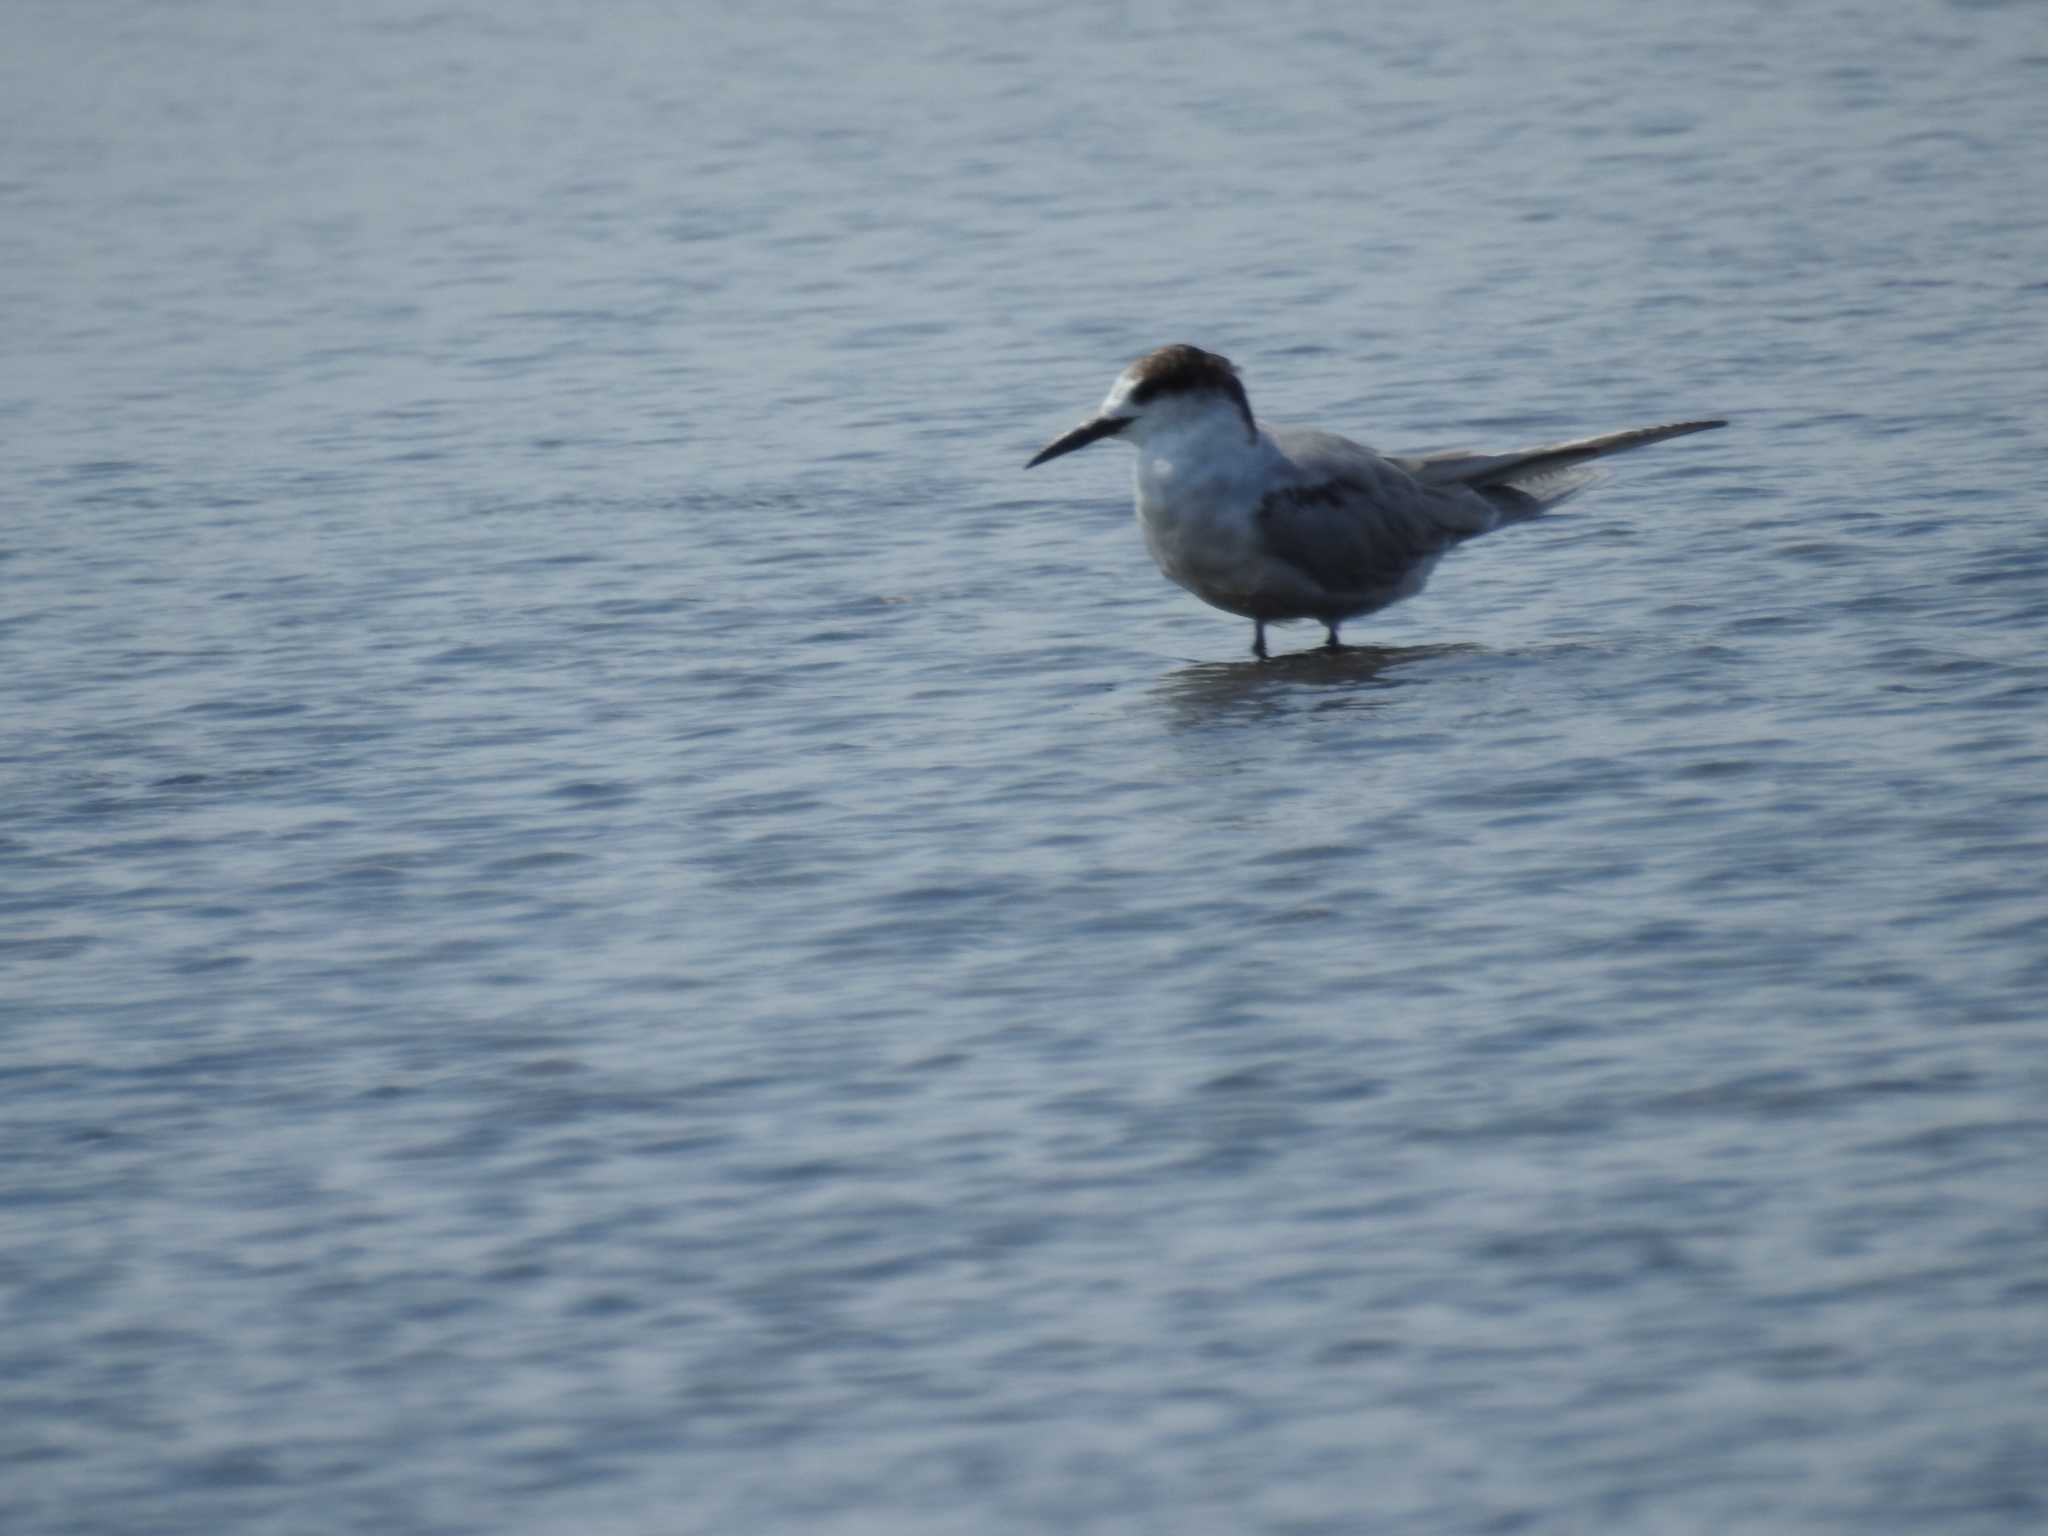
x: 1333, y: 643
x: 1259, y: 638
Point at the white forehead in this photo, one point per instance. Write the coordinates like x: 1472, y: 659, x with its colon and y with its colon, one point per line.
x: 1117, y: 401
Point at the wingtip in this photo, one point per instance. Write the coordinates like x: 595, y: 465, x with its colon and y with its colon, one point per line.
x: 1665, y: 432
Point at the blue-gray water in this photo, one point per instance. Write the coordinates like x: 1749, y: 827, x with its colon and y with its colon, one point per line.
x: 612, y: 922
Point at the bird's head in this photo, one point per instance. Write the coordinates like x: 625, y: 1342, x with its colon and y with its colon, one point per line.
x: 1175, y: 388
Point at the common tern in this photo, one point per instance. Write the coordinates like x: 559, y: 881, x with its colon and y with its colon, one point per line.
x: 1279, y: 525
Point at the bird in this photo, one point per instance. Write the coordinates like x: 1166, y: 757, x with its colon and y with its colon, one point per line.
x: 1294, y: 524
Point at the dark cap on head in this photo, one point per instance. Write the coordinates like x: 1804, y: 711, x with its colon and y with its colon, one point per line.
x: 1182, y: 369
x: 1176, y: 370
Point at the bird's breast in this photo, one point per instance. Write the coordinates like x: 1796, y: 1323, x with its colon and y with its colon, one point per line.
x: 1206, y: 541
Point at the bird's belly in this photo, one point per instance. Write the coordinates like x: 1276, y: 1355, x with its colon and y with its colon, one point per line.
x: 1224, y: 561
x: 1217, y: 557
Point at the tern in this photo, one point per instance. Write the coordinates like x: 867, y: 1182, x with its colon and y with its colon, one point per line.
x: 1279, y: 525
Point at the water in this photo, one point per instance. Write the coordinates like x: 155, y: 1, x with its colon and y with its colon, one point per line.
x: 614, y: 923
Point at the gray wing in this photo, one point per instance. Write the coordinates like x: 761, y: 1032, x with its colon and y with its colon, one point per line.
x: 1529, y: 468
x: 1355, y: 521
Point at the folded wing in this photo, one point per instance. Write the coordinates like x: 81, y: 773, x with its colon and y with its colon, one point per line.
x: 1358, y: 521
x: 1539, y: 472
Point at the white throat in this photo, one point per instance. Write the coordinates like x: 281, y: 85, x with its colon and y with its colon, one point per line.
x: 1195, y: 441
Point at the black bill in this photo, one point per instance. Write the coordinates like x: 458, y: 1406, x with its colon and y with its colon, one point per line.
x: 1080, y: 437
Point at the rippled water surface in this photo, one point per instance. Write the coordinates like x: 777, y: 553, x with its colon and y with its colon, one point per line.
x: 609, y: 921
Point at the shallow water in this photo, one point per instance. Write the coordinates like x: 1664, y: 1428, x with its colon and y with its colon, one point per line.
x: 613, y: 922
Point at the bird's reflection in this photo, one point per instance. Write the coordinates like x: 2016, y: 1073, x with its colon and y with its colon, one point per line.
x: 1356, y: 676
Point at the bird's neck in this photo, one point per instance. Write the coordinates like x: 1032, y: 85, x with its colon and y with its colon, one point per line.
x: 1207, y: 450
